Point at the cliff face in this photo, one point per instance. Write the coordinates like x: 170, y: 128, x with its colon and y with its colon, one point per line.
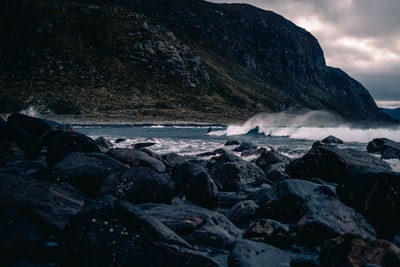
x: 176, y: 59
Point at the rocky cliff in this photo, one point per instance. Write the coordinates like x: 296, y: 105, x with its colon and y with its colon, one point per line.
x: 166, y: 60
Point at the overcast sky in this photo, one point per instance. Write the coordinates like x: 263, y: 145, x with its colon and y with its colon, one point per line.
x: 362, y: 37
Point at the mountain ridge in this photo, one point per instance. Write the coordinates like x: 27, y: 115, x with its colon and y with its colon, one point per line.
x: 169, y: 60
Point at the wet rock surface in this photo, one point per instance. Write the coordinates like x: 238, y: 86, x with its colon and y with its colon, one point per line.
x: 96, y: 209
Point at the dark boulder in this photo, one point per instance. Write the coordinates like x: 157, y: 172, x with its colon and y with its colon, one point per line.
x: 134, y: 157
x: 197, y: 225
x: 52, y: 204
x: 139, y: 185
x: 276, y: 171
x: 193, y: 181
x: 223, y: 157
x: 326, y: 217
x: 243, y: 211
x: 172, y: 159
x: 238, y: 175
x: 59, y: 144
x: 245, y: 146
x: 86, y: 171
x: 270, y: 157
x: 377, y: 196
x: 232, y: 143
x: 284, y: 201
x: 354, y: 251
x: 30, y: 124
x: 247, y: 253
x: 113, y: 232
x: 102, y: 142
x: 332, y: 140
x: 10, y: 152
x: 332, y: 163
x: 142, y: 145
x: 387, y: 148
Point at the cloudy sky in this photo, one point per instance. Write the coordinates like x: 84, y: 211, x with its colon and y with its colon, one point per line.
x: 362, y: 37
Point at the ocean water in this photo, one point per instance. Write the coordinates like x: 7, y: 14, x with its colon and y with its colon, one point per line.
x: 291, y: 135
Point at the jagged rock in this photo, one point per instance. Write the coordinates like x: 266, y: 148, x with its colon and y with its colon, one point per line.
x: 270, y: 157
x: 326, y: 217
x: 198, y: 226
x: 242, y: 211
x: 332, y: 163
x: 276, y: 171
x: 232, y: 143
x: 332, y: 140
x: 59, y: 144
x: 51, y: 204
x: 389, y: 149
x: 246, y: 253
x: 354, y: 251
x: 112, y: 231
x: 194, y: 182
x: 31, y: 124
x: 134, y: 157
x: 86, y: 171
x: 377, y: 196
x: 139, y: 185
x: 245, y: 146
x: 284, y: 201
x: 238, y: 175
x: 273, y: 232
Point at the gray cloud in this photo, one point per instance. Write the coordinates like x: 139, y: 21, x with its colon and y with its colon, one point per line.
x: 360, y: 36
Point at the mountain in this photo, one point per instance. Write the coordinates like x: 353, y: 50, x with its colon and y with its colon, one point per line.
x: 394, y: 113
x: 166, y: 60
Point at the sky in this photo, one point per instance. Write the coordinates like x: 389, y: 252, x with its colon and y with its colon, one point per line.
x: 362, y: 37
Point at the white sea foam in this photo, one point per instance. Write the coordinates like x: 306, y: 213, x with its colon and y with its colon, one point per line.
x: 312, y: 125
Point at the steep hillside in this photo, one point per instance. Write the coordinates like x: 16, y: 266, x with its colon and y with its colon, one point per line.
x: 166, y: 60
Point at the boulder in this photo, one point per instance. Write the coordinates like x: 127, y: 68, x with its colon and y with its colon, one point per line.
x: 271, y: 157
x: 332, y: 140
x: 245, y: 146
x: 326, y: 217
x: 247, y: 253
x: 59, y: 144
x: 51, y: 204
x: 197, y: 225
x: 243, y: 211
x: 224, y: 157
x: 387, y: 148
x: 284, y: 201
x: 172, y: 159
x: 32, y: 125
x: 235, y: 176
x: 86, y: 171
x: 276, y: 171
x: 102, y: 142
x: 377, y: 196
x: 113, y: 232
x: 193, y: 181
x: 134, y: 157
x: 139, y: 185
x: 332, y: 163
x: 354, y: 251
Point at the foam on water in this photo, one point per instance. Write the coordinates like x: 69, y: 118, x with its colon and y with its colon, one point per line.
x: 312, y: 125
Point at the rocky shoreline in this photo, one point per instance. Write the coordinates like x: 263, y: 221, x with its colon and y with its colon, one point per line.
x: 68, y: 200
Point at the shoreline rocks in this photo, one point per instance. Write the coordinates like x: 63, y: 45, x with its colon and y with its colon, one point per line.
x: 73, y: 203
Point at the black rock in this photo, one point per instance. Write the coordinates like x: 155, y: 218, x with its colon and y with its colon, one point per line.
x: 59, y: 144
x: 332, y: 163
x: 10, y: 152
x: 139, y: 185
x: 194, y: 182
x: 114, y: 232
x: 389, y: 149
x: 270, y: 157
x: 332, y: 140
x: 32, y: 125
x: 197, y: 225
x: 134, y: 157
x: 377, y: 196
x: 86, y: 171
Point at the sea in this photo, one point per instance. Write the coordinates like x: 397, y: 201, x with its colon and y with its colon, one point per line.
x: 289, y: 134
